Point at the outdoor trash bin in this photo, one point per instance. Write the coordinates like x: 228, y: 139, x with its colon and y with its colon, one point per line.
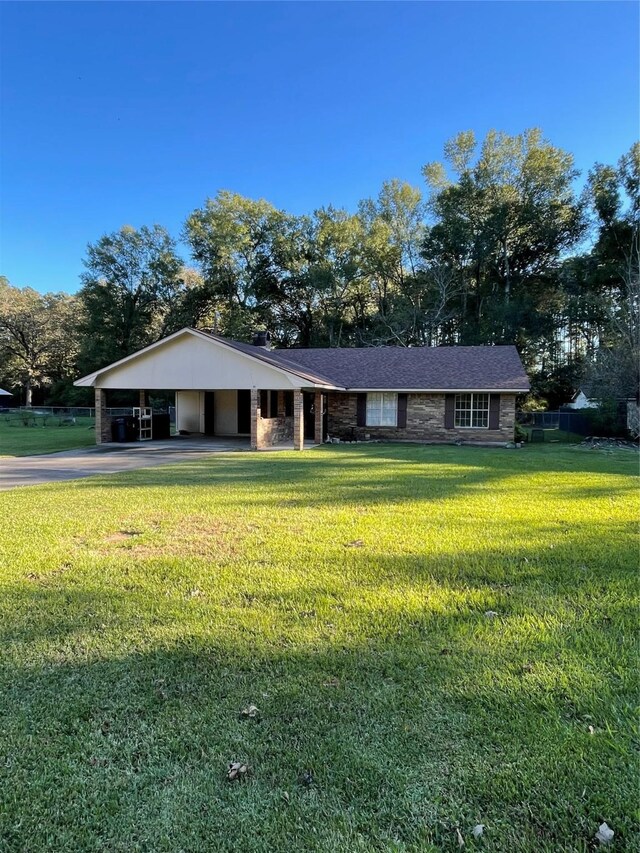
x: 124, y: 428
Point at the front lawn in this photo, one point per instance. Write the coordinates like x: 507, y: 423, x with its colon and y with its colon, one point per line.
x: 43, y: 435
x: 435, y: 637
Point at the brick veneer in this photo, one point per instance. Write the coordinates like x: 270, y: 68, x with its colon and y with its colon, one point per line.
x: 425, y: 421
x: 103, y: 421
x: 318, y: 418
x: 298, y: 421
x: 266, y: 432
x: 274, y: 431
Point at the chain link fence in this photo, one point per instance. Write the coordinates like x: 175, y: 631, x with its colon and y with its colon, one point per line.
x: 581, y: 422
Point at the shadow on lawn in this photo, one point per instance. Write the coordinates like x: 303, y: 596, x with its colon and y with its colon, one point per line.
x: 417, y: 713
x: 369, y: 475
x: 404, y: 742
x: 129, y: 591
x: 120, y: 698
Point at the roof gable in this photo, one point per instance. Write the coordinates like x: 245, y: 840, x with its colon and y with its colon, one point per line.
x: 194, y: 360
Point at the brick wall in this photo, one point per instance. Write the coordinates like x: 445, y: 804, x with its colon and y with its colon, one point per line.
x: 271, y: 431
x: 103, y: 421
x: 425, y: 421
x: 274, y: 431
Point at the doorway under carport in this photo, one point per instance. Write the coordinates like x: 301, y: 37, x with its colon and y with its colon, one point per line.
x: 223, y: 424
x: 221, y: 412
x: 270, y: 416
x: 311, y: 422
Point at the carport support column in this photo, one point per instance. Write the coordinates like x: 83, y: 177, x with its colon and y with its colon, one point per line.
x: 317, y: 407
x: 298, y: 421
x: 142, y: 401
x: 255, y: 400
x: 103, y: 422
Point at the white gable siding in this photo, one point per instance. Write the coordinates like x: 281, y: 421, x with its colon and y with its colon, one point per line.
x: 191, y: 363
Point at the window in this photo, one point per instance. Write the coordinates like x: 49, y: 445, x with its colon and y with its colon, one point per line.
x: 382, y: 409
x: 472, y: 410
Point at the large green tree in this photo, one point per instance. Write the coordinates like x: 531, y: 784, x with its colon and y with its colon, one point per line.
x: 39, y: 338
x: 130, y: 286
x: 614, y: 278
x: 231, y: 239
x: 264, y: 266
x: 503, y: 215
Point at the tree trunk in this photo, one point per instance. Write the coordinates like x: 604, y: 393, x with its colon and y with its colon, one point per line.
x: 28, y: 393
x: 507, y: 273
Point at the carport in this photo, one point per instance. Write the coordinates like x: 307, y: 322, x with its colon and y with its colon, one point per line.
x: 223, y: 389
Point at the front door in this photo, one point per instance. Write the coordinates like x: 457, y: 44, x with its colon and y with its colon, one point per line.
x: 244, y: 412
x: 325, y: 415
x: 209, y: 413
x: 308, y: 401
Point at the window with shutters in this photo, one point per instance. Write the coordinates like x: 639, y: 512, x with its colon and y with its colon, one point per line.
x: 472, y: 411
x: 382, y: 409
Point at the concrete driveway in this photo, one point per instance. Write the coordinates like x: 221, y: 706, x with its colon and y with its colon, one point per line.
x: 108, y: 459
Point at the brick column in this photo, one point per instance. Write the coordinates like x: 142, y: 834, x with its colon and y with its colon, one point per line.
x: 317, y: 405
x: 255, y: 400
x: 298, y: 421
x: 103, y: 421
x: 143, y: 399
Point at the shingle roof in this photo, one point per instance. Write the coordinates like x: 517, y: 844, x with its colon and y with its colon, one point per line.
x: 418, y: 368
x: 482, y: 368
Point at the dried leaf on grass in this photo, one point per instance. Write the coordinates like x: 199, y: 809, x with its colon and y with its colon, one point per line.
x: 237, y: 770
x: 604, y: 834
x: 251, y: 712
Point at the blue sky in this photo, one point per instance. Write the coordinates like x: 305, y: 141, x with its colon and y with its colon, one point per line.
x: 134, y: 113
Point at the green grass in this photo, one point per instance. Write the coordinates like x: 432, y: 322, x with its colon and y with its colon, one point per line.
x: 343, y: 591
x: 47, y: 436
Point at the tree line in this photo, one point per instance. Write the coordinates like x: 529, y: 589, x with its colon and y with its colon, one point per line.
x: 498, y: 247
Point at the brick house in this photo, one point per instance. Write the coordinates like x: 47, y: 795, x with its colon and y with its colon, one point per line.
x: 271, y: 396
